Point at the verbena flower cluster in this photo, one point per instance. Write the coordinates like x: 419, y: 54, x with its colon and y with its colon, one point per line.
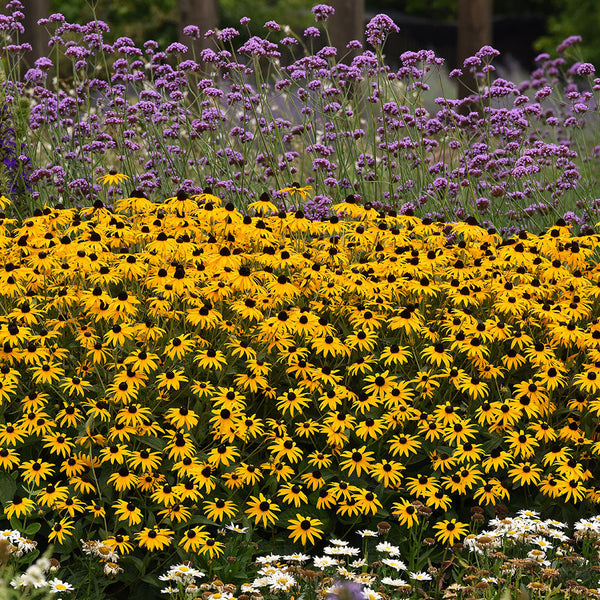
x: 243, y: 117
x: 15, y: 167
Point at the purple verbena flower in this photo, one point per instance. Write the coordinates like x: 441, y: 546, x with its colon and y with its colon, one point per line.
x: 378, y: 28
x: 227, y: 34
x: 586, y: 69
x: 176, y: 47
x: 487, y: 51
x: 568, y: 42
x: 312, y: 32
x: 322, y: 12
x: 192, y: 31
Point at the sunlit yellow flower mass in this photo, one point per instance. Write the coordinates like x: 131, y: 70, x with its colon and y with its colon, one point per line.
x: 270, y: 373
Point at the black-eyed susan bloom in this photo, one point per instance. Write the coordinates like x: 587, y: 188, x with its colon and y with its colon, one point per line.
x: 293, y: 493
x: 406, y: 513
x: 193, y: 539
x: 71, y: 505
x: 356, y: 460
x: 19, y: 507
x: 422, y: 485
x: 96, y: 510
x: 114, y: 454
x: 319, y: 459
x: 459, y: 433
x: 112, y: 178
x: 11, y: 434
x: 262, y: 510
x: 47, y: 372
x: 285, y: 448
x: 35, y: 471
x: 127, y: 511
x: 387, y: 472
x: 450, y: 531
x: 218, y: 509
x: 210, y: 359
x: 295, y: 188
x: 305, y: 529
x: 120, y: 542
x: 379, y: 384
x: 367, y: 502
x: 52, y: 494
x: 178, y: 347
x: 146, y: 460
x: 438, y: 499
x: 223, y: 454
x: 75, y: 386
x: 491, y: 492
x: 404, y: 445
x: 526, y: 473
x: 165, y: 494
x: 61, y: 530
x: 154, y: 538
x: 211, y: 547
x: 177, y: 513
x: 123, y: 479
x: 171, y: 379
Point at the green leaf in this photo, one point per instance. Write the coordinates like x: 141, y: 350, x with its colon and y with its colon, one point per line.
x: 32, y: 529
x: 153, y: 442
x: 8, y: 487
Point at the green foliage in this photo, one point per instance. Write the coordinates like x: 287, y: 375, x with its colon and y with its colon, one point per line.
x: 448, y: 9
x: 158, y: 19
x: 295, y: 13
x: 575, y: 18
x: 137, y: 19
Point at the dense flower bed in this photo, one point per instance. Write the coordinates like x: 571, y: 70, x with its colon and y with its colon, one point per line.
x: 252, y: 113
x: 171, y: 367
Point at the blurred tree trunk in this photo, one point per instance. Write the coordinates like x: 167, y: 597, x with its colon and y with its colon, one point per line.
x: 347, y: 24
x: 202, y: 13
x: 474, y: 31
x: 34, y: 34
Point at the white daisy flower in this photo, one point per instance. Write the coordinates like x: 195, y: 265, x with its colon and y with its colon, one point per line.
x: 341, y: 551
x: 260, y: 582
x: 388, y: 548
x: 58, y: 586
x: 298, y: 557
x: 267, y: 560
x: 370, y: 594
x: 236, y: 528
x: 281, y: 582
x: 322, y: 562
x: 357, y: 564
x: 530, y: 514
x: 337, y: 542
x: 393, y: 582
x: 394, y: 563
x: 420, y: 576
x: 368, y: 533
x: 183, y: 571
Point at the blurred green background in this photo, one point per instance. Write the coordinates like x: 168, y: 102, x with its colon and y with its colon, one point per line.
x: 158, y: 19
